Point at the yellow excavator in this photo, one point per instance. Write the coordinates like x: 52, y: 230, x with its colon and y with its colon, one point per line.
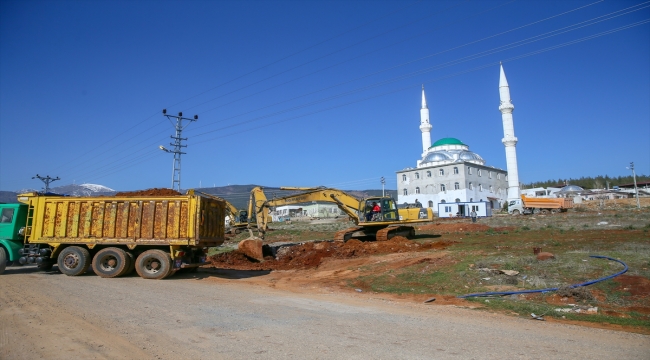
x: 375, y: 217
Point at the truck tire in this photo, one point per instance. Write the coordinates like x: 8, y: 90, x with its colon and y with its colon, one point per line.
x: 110, y: 262
x: 515, y: 212
x: 3, y: 260
x: 74, y: 261
x: 131, y: 258
x: 153, y: 264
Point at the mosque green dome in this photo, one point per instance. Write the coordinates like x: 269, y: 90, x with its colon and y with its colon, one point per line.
x: 447, y: 141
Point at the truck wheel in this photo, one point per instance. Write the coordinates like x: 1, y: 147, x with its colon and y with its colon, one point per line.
x: 554, y: 211
x: 153, y: 264
x: 515, y: 212
x: 110, y: 262
x: 3, y: 260
x: 74, y: 261
x: 544, y: 212
x: 131, y: 266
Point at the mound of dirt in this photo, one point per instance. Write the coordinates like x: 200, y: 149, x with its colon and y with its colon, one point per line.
x: 149, y: 192
x: 309, y: 255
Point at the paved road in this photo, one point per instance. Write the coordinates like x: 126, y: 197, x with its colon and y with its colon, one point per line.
x: 49, y: 315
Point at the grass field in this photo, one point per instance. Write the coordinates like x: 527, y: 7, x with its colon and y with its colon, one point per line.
x: 475, y: 254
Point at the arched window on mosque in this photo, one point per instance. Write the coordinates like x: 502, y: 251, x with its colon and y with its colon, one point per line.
x: 479, y: 172
x: 469, y: 170
x: 498, y: 176
x: 471, y: 186
x: 490, y: 174
x: 456, y: 186
x: 417, y: 190
x: 406, y: 192
x: 404, y: 177
x: 417, y: 175
x: 457, y: 200
x: 455, y: 170
x: 491, y: 189
x: 443, y: 201
x: 441, y: 172
x: 480, y: 187
x: 506, y: 177
x: 430, y: 203
x: 428, y: 173
x: 442, y: 187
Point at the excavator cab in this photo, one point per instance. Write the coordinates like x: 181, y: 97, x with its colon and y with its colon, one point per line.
x: 387, y: 209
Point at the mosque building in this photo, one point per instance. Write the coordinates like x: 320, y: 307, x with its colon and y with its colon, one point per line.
x: 449, y: 172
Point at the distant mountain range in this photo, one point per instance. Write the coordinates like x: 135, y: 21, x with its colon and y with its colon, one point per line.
x: 235, y: 194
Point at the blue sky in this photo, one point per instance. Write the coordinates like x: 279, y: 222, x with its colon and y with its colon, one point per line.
x: 308, y: 93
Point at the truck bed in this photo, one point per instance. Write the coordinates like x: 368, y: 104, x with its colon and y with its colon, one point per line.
x: 168, y: 220
x: 545, y: 203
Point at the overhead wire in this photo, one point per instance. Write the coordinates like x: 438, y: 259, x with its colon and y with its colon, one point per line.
x: 98, y: 147
x: 375, y: 73
x: 521, y: 56
x: 437, y: 79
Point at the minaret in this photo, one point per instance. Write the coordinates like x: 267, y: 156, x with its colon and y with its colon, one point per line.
x: 509, y: 139
x: 425, y: 126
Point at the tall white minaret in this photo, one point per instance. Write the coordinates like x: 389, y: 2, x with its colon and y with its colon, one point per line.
x: 425, y: 126
x: 509, y: 139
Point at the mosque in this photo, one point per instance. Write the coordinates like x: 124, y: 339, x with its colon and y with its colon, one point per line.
x: 448, y: 172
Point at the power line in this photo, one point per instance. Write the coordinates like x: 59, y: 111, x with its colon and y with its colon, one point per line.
x: 370, y: 86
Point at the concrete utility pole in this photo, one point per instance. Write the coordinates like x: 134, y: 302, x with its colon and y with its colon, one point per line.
x: 636, y: 190
x: 177, y: 144
x: 47, y: 180
x: 383, y: 182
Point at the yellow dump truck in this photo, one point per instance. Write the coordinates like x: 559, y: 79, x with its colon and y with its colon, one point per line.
x: 532, y: 205
x: 153, y: 235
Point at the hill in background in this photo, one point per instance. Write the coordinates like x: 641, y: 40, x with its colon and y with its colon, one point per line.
x: 238, y: 195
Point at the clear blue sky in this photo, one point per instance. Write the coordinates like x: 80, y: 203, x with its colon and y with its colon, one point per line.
x: 307, y: 93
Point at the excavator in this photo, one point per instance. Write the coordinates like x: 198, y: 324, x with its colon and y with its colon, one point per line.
x: 375, y: 217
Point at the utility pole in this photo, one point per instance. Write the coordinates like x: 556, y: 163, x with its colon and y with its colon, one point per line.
x: 636, y: 191
x: 47, y: 180
x: 383, y: 182
x: 178, y: 145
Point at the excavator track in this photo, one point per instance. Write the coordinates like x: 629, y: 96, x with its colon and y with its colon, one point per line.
x: 345, y: 235
x: 390, y: 231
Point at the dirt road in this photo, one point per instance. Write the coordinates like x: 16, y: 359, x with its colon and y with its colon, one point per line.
x: 211, y: 315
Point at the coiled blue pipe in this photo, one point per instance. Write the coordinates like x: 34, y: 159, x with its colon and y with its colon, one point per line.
x: 554, y: 289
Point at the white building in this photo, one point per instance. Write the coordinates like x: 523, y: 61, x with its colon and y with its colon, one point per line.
x: 448, y: 172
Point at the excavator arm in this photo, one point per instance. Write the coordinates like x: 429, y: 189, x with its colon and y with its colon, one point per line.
x: 259, y: 204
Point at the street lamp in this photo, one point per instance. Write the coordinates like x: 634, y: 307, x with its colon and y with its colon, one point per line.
x: 636, y: 191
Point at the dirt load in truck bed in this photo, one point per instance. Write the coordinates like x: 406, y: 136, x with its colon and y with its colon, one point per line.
x: 149, y: 192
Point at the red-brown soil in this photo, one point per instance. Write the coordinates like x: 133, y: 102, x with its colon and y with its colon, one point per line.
x: 149, y: 192
x: 310, y: 255
x: 637, y: 286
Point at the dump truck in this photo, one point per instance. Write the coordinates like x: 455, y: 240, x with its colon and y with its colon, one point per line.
x: 532, y: 205
x: 154, y: 235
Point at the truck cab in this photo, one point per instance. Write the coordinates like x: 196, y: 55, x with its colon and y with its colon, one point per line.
x: 516, y: 207
x: 12, y: 225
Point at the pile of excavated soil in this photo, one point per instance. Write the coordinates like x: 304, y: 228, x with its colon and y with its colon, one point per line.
x: 309, y: 255
x: 149, y: 192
